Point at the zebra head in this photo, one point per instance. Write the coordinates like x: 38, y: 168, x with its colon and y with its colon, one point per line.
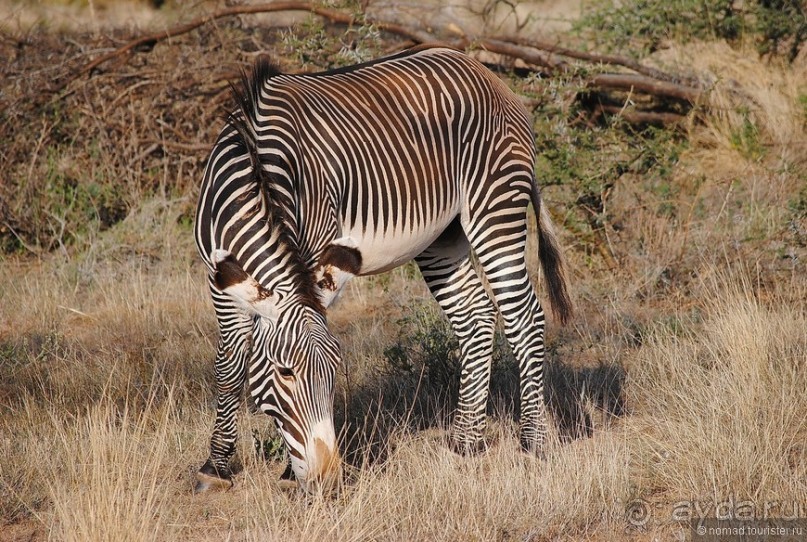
x: 292, y: 370
x: 299, y: 357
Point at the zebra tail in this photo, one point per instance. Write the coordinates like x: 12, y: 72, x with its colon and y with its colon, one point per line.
x: 549, y: 252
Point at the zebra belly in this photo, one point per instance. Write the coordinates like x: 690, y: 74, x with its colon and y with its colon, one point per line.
x: 382, y: 251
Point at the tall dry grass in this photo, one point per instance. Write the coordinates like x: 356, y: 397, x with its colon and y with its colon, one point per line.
x: 103, y: 473
x: 724, y: 402
x: 716, y: 411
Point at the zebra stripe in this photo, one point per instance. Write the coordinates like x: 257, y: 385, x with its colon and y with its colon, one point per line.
x: 320, y: 177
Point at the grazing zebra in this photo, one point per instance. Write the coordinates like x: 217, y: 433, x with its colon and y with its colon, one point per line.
x: 317, y: 178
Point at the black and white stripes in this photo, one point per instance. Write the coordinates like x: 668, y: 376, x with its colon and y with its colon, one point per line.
x: 320, y: 177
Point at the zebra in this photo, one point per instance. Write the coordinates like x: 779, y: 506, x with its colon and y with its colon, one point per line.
x: 317, y: 178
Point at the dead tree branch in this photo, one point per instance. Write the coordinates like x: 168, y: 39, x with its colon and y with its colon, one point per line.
x: 645, y: 84
x: 148, y: 41
x: 598, y: 58
x: 549, y: 57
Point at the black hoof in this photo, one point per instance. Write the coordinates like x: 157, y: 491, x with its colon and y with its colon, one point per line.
x: 531, y: 448
x: 210, y: 478
x: 288, y: 480
x: 288, y: 474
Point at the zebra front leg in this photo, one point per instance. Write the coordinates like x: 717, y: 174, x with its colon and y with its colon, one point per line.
x: 232, y: 355
x: 446, y: 267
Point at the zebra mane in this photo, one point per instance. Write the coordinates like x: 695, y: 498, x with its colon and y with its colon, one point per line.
x: 247, y: 91
x: 246, y: 95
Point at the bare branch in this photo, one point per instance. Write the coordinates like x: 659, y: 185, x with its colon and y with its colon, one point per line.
x: 547, y: 56
x: 598, y: 58
x: 643, y: 83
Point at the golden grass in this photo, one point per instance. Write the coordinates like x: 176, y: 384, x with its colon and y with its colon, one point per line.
x: 114, y: 476
x: 716, y: 411
x: 723, y: 402
x: 104, y: 474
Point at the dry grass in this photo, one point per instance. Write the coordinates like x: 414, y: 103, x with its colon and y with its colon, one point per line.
x: 723, y: 401
x: 716, y: 412
x: 103, y: 474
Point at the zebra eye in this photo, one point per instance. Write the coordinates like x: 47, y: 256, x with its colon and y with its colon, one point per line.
x: 285, y: 372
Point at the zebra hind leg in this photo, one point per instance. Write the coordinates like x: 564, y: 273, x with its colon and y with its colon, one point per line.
x: 501, y: 254
x: 232, y: 355
x: 447, y: 269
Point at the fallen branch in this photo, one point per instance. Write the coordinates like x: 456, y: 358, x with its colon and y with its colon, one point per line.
x: 546, y: 56
x: 150, y: 40
x: 597, y: 58
x: 527, y: 54
x: 645, y: 84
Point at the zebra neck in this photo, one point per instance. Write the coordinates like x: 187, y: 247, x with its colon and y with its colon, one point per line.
x: 286, y: 269
x: 305, y: 215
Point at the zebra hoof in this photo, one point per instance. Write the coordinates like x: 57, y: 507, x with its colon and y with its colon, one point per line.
x: 531, y: 449
x: 469, y: 449
x: 209, y: 478
x: 288, y: 480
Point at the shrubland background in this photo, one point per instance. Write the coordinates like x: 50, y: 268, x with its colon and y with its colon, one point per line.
x: 679, y: 385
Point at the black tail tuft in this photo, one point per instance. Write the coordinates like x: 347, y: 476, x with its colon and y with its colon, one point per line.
x: 549, y: 253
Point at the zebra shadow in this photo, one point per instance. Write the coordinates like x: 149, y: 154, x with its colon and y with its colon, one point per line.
x: 413, y: 393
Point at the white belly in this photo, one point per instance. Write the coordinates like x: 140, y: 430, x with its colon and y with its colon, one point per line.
x: 384, y: 251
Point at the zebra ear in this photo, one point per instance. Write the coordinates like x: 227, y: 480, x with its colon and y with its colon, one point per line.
x: 230, y: 278
x: 340, y: 261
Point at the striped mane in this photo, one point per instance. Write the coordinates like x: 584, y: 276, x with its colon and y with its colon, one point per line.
x: 246, y: 95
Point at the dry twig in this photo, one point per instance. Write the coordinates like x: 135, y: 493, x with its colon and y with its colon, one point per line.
x: 547, y: 56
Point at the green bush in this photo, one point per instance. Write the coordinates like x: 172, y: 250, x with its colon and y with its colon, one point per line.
x: 639, y: 28
x: 643, y: 25
x: 426, y: 350
x: 782, y: 26
x: 426, y: 355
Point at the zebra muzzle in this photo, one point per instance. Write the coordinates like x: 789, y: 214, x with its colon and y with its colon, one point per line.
x: 324, y: 467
